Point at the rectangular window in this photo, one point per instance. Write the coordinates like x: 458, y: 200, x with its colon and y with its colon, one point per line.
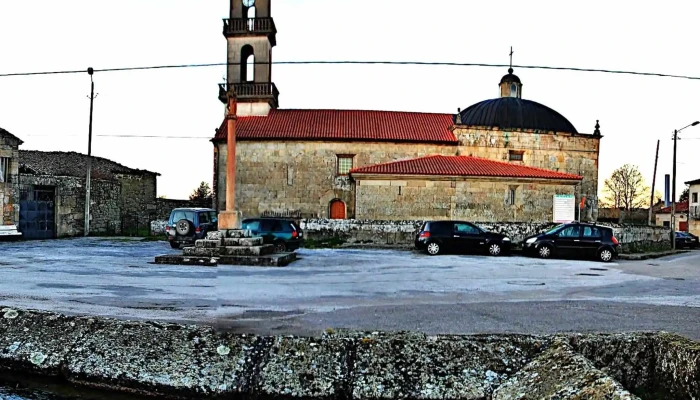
x: 515, y: 155
x: 591, y: 232
x: 695, y: 197
x: 511, y: 197
x: 4, y: 169
x: 344, y: 164
x: 667, y: 224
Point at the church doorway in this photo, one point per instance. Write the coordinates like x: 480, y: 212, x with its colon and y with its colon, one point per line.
x: 337, y: 209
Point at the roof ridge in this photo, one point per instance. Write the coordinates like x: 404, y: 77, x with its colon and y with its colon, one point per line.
x: 354, y: 110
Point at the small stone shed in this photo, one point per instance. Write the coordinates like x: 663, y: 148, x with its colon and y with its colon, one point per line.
x: 51, y: 188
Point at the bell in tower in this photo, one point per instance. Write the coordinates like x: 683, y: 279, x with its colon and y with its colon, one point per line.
x: 510, y: 85
x: 250, y: 35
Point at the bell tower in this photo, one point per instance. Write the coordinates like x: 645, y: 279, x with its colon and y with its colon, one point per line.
x: 250, y: 35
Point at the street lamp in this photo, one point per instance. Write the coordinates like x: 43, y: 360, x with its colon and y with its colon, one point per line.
x: 673, y: 187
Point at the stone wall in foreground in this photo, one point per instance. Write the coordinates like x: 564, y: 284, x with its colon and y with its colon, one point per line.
x: 178, y: 361
x: 632, y: 238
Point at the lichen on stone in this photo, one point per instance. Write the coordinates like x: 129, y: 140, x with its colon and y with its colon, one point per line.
x: 10, y: 313
x: 223, y: 350
x: 37, y: 358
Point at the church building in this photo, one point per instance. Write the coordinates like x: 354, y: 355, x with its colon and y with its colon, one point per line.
x: 502, y: 159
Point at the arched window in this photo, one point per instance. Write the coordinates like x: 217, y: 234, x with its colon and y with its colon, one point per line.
x: 247, y: 64
x: 337, y: 209
x: 513, y: 90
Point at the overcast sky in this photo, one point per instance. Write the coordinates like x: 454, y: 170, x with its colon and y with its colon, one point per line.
x: 51, y: 112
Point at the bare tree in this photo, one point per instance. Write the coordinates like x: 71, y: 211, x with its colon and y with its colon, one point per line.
x: 626, y: 189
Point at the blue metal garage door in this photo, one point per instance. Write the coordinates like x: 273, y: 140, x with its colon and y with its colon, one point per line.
x: 37, y: 212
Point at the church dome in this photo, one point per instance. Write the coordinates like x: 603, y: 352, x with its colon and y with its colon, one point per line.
x: 515, y: 113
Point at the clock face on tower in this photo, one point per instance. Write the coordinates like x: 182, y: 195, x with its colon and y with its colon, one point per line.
x: 248, y: 3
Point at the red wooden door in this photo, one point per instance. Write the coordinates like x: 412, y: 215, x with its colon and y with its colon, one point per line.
x: 337, y: 209
x: 683, y: 226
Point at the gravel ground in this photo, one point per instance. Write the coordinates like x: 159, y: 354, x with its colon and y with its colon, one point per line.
x: 362, y: 289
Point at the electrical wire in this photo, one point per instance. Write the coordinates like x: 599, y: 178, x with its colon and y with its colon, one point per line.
x: 424, y: 63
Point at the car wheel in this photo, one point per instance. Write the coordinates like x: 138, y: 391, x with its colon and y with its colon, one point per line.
x: 183, y: 227
x: 280, y: 247
x: 175, y: 245
x: 433, y: 249
x: 605, y: 255
x: 495, y: 249
x: 545, y: 251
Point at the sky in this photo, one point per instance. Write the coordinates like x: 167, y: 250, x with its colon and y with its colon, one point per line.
x: 51, y: 112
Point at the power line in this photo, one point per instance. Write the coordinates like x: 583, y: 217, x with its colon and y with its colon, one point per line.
x: 423, y: 63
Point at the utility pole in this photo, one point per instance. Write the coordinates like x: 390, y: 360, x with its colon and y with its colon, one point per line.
x: 673, y: 192
x: 653, y: 181
x: 90, y: 71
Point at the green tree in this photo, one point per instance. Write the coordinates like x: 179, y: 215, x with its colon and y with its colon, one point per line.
x: 202, y: 196
x: 685, y: 195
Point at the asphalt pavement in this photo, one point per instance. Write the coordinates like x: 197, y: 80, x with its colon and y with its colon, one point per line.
x: 355, y: 289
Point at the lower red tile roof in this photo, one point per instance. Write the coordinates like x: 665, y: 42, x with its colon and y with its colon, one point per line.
x: 343, y: 125
x: 680, y: 207
x: 461, y: 166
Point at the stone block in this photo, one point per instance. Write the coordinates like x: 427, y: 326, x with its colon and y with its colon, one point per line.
x: 216, y: 235
x: 207, y: 243
x: 561, y: 373
x: 271, y: 260
x: 200, y: 251
x: 247, y: 250
x: 252, y: 241
x: 38, y: 342
x: 237, y: 233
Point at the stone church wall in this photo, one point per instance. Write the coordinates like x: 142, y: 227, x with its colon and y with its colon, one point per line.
x: 299, y: 178
x: 473, y: 200
x: 563, y: 152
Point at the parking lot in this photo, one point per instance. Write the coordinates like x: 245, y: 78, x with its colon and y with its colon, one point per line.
x: 358, y: 289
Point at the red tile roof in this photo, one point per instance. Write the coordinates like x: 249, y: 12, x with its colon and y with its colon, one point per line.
x: 461, y: 166
x: 680, y: 207
x: 343, y: 125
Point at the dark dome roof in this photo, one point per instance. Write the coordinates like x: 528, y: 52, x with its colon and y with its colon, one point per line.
x: 513, y: 113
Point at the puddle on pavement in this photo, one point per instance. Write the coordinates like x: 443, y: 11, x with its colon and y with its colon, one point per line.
x: 21, y: 387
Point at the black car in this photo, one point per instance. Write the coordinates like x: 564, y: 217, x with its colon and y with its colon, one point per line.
x: 574, y: 239
x: 436, y: 237
x: 284, y: 234
x: 187, y: 225
x: 685, y: 240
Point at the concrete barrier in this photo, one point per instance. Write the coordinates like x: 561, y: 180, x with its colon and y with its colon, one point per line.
x: 178, y: 361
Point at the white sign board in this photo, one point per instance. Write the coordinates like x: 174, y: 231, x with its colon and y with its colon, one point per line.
x: 564, y: 208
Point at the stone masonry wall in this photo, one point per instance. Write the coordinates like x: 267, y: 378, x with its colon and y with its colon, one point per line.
x: 9, y: 191
x: 470, y: 199
x: 563, y: 152
x: 300, y: 177
x: 402, y: 233
x: 138, y: 194
x: 105, y: 206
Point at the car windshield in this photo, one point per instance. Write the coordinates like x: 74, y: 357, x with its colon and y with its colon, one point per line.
x: 554, y: 230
